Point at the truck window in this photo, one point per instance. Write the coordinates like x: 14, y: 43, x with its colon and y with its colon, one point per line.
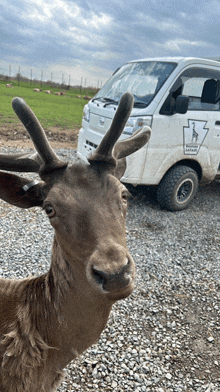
x: 142, y: 78
x: 202, y: 86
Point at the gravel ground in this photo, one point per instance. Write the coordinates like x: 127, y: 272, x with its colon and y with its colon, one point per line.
x: 166, y: 335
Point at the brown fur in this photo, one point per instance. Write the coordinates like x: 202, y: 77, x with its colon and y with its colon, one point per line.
x: 47, y: 321
x: 50, y: 319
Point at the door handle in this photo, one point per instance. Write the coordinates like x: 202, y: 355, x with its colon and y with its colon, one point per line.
x: 217, y: 123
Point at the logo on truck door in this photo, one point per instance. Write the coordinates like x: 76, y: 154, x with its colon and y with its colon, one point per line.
x: 193, y: 136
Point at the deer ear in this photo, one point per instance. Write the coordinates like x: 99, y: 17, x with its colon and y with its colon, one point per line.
x: 126, y: 147
x: 20, y: 192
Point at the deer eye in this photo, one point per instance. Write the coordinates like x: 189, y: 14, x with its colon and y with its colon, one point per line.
x: 49, y: 210
x: 125, y: 196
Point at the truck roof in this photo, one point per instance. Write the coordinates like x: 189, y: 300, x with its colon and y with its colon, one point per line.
x: 188, y: 60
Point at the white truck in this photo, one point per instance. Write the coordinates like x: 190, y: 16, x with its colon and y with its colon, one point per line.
x: 179, y: 98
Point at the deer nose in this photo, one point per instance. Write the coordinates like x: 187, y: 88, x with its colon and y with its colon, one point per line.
x: 111, y: 270
x: 113, y: 281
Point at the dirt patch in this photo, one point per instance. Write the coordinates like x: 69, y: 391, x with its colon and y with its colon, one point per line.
x: 15, y: 135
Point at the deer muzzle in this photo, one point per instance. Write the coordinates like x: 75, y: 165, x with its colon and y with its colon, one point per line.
x: 111, y: 270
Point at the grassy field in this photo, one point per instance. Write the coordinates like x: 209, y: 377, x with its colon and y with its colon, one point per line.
x: 64, y: 112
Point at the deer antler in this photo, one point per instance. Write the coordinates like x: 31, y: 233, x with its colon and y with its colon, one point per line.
x: 20, y: 162
x: 104, y: 151
x: 45, y: 160
x: 126, y: 147
x: 37, y: 134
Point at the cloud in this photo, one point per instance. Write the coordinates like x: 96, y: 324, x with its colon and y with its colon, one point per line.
x: 83, y: 36
x: 179, y: 45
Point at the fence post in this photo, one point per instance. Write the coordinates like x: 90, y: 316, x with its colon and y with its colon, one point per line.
x: 81, y: 85
x: 41, y: 77
x: 19, y: 70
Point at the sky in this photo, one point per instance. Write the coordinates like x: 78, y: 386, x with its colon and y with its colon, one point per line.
x: 87, y: 40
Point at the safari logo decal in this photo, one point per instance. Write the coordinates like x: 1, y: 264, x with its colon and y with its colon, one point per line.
x: 193, y: 136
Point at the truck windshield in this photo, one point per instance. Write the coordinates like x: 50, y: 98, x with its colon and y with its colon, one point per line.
x: 143, y: 79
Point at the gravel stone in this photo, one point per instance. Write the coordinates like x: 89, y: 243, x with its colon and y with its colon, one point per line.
x: 166, y: 335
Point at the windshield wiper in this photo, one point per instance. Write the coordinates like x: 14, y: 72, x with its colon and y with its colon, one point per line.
x: 139, y: 103
x: 98, y: 99
x: 108, y: 101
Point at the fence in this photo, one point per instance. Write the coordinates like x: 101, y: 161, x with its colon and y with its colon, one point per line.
x: 83, y: 85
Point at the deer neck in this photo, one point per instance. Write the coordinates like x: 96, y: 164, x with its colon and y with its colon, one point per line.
x: 82, y: 313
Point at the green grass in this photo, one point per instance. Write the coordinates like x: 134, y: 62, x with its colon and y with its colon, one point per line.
x: 51, y: 110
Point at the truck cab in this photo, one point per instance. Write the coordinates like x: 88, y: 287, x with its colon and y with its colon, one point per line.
x: 179, y: 98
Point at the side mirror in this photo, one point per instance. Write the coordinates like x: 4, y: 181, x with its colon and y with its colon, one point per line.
x: 182, y: 104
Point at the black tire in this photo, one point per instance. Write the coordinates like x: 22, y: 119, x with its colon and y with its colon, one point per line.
x: 177, y: 188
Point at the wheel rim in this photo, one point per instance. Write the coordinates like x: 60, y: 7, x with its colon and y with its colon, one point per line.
x: 185, y: 191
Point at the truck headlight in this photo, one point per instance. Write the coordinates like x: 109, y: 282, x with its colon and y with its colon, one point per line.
x: 86, y: 113
x: 135, y: 123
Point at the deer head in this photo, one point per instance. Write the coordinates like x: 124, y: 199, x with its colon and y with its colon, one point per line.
x: 85, y: 203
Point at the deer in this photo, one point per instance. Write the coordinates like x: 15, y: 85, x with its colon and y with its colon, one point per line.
x: 9, y: 85
x: 87, y: 97
x: 47, y: 321
x: 60, y: 93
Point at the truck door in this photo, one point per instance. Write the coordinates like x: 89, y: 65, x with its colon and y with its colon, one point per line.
x: 195, y: 134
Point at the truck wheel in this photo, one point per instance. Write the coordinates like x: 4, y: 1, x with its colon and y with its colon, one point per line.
x: 177, y: 188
